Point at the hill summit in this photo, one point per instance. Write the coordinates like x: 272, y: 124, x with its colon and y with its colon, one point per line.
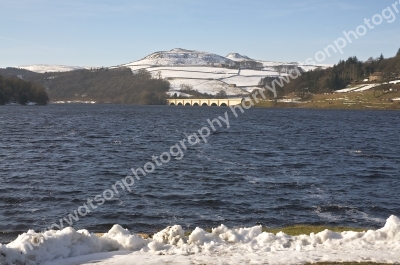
x: 238, y: 57
x: 183, y: 57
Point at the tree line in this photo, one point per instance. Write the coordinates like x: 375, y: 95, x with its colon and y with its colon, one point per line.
x: 13, y: 89
x: 109, y: 86
x: 342, y: 74
x: 102, y: 85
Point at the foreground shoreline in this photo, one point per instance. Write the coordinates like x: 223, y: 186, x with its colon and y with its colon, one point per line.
x: 291, y: 230
x: 172, y: 245
x: 316, y: 107
x: 366, y: 100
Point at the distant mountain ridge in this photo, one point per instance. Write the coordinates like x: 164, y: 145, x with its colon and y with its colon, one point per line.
x: 179, y: 57
x: 196, y: 71
x: 190, y: 73
x: 50, y: 68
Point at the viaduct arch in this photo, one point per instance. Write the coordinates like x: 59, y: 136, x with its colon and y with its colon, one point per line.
x: 204, y: 102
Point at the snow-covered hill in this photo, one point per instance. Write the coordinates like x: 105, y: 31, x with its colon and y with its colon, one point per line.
x: 211, y: 73
x: 203, y: 71
x: 49, y: 68
x: 268, y: 65
x: 180, y: 57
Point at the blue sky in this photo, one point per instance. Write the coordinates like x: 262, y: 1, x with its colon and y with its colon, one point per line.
x: 106, y: 32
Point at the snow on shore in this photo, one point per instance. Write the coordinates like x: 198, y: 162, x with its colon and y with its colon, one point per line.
x: 221, y: 246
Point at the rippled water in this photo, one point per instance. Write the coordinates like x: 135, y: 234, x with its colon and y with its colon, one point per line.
x: 273, y: 167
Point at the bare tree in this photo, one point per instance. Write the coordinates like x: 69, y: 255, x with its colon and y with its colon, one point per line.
x: 221, y: 94
x: 186, y: 87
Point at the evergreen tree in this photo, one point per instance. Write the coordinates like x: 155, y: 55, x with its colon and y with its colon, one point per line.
x: 398, y: 52
x: 15, y: 89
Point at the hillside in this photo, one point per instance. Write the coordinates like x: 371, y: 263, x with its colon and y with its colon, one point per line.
x: 108, y: 86
x: 187, y: 72
x: 351, y: 71
x: 15, y: 90
x: 351, y: 84
x: 99, y: 85
x: 382, y: 97
x: 213, y: 74
x: 202, y: 72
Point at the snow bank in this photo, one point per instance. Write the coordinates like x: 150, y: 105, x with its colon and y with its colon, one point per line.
x: 33, y: 248
x: 230, y: 246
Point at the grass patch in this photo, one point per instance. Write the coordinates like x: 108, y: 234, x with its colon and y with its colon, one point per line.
x: 352, y: 100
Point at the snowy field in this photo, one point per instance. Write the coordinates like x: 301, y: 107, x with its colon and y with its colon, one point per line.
x: 306, y: 67
x: 189, y: 74
x: 205, y: 86
x: 203, y: 69
x: 243, y: 80
x: 221, y: 246
x: 208, y: 79
x: 249, y: 72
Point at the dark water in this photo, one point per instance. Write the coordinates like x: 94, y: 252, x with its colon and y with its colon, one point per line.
x: 273, y: 167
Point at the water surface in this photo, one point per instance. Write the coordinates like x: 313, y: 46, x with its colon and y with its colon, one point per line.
x: 273, y: 167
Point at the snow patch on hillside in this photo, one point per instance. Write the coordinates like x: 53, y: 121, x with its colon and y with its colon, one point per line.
x: 191, y: 72
x: 50, y: 68
x: 306, y: 67
x: 358, y: 88
x: 205, y: 86
x: 243, y: 80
